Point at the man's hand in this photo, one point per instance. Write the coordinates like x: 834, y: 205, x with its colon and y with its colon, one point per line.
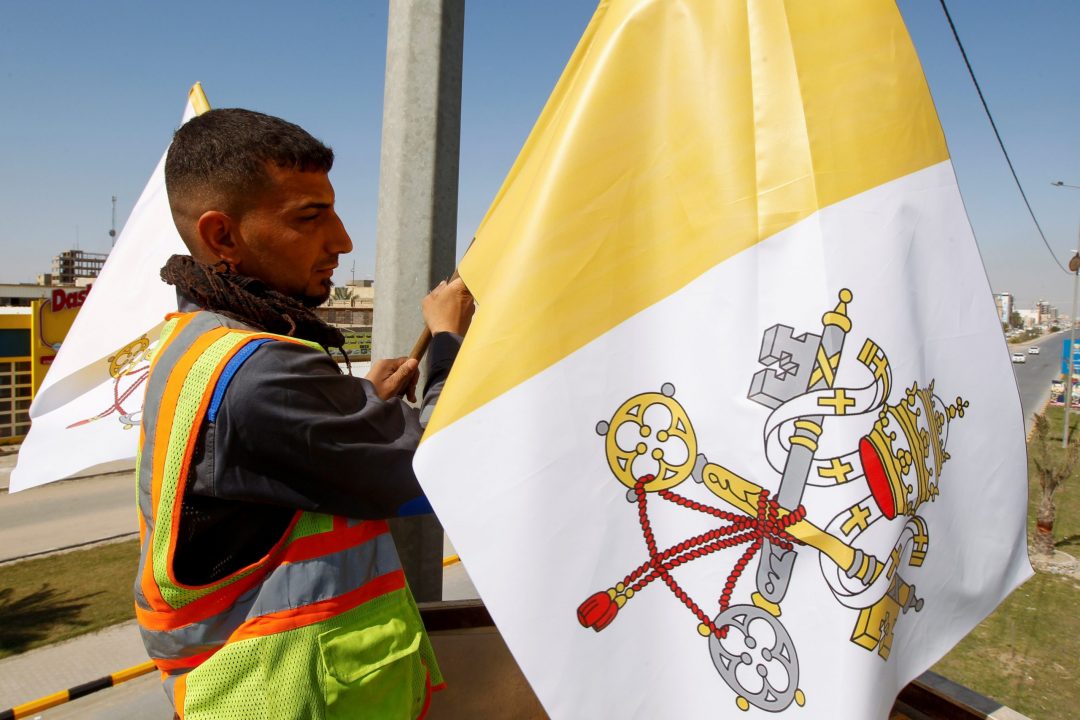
x: 448, y: 308
x: 392, y: 378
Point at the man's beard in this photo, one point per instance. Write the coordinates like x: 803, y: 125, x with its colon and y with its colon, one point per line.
x: 312, y: 301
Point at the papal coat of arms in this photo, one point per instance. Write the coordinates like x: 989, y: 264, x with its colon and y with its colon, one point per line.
x: 129, y: 369
x: 863, y: 551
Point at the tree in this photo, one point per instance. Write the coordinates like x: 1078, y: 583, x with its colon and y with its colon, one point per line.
x: 1015, y: 321
x: 1054, y: 466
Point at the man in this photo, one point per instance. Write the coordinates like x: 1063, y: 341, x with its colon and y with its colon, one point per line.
x: 268, y: 584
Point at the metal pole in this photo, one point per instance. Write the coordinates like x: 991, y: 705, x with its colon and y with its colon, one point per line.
x: 416, y: 235
x: 1074, y: 265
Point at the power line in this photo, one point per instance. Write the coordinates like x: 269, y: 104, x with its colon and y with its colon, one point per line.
x: 1001, y: 143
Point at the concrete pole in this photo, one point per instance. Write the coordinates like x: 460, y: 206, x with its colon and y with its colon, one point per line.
x: 1074, y: 266
x: 417, y: 216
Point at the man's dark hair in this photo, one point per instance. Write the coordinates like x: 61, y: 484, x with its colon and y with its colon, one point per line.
x: 223, y: 155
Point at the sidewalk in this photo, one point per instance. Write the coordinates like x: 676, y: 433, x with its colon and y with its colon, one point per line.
x: 43, y: 671
x: 8, y: 455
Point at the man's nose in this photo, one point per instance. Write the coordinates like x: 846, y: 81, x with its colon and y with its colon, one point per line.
x: 340, y: 242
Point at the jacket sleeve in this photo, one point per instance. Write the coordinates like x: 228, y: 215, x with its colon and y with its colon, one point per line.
x: 292, y: 430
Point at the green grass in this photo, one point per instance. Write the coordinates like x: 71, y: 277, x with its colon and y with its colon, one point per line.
x: 1027, y: 653
x: 1026, y: 337
x: 54, y: 598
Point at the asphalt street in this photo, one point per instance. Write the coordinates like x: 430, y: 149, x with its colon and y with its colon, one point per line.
x: 65, y: 514
x: 1034, y: 375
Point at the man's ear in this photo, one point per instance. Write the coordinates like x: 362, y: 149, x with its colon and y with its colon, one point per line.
x: 216, y: 230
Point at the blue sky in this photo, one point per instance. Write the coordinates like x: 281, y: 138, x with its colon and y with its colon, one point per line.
x: 92, y: 92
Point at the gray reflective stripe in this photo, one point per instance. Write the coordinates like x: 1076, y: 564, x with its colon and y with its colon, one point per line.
x: 169, y: 684
x: 288, y: 587
x: 200, y: 637
x: 140, y: 598
x: 155, y: 389
x: 202, y: 323
x: 296, y: 584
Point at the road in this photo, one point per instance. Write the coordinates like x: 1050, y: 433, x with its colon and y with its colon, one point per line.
x: 66, y: 513
x: 1033, y: 377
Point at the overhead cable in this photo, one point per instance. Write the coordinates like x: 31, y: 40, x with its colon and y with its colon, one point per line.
x: 1001, y: 143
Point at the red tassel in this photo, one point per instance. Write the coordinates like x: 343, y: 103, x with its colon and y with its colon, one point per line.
x: 597, y: 612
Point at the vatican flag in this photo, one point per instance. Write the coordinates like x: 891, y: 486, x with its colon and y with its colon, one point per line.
x: 85, y: 416
x: 735, y: 427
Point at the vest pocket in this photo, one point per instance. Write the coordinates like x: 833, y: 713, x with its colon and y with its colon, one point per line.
x: 373, y: 672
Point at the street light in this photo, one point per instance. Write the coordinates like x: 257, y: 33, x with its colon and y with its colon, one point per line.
x: 1074, y: 268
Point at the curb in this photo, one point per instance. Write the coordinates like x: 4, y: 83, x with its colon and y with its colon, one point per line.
x: 67, y: 548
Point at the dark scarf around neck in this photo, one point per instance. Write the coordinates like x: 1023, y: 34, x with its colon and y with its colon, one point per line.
x: 249, y: 301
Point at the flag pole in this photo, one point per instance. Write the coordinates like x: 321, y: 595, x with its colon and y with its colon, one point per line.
x: 424, y: 340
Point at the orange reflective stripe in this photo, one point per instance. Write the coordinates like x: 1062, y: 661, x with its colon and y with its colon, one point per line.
x: 169, y: 401
x: 179, y: 695
x: 340, y: 523
x: 186, y: 663
x: 313, y: 546
x: 427, y: 695
x: 197, y: 610
x: 167, y: 411
x: 179, y: 375
x: 189, y: 451
x: 320, y: 611
x: 171, y: 618
x: 185, y: 318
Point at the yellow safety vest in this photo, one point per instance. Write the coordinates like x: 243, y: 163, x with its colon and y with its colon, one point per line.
x: 323, y: 626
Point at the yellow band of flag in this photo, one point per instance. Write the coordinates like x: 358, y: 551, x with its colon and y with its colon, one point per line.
x: 680, y: 134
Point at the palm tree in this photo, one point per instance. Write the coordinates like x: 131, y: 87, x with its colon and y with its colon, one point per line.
x: 1054, y: 466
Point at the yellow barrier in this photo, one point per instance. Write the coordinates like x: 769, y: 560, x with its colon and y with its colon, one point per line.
x: 59, y: 698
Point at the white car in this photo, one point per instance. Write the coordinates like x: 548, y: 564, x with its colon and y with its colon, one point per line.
x: 1033, y: 350
x: 1019, y: 357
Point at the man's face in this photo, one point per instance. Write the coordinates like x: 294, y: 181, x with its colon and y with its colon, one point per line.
x: 290, y: 237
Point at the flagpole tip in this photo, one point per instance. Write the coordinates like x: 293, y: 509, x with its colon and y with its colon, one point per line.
x: 198, y: 99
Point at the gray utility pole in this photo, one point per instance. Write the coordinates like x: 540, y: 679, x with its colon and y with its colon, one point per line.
x: 1074, y: 267
x: 417, y: 218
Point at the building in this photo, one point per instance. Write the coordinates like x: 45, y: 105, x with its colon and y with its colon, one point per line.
x: 34, y: 321
x: 351, y: 309
x: 24, y: 294
x: 1029, y: 317
x: 71, y: 265
x: 1005, y: 306
x: 1045, y: 313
